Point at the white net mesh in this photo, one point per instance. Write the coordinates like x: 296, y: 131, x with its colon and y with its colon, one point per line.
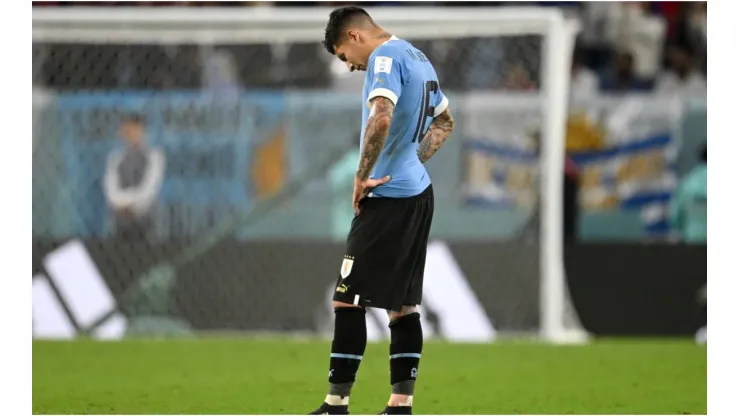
x: 252, y: 140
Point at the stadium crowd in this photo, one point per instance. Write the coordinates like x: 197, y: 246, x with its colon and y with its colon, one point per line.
x: 623, y: 47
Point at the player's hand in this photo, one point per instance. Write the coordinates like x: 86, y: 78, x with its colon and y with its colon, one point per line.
x: 363, y: 187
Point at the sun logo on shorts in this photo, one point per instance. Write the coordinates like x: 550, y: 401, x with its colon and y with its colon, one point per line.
x: 346, y: 266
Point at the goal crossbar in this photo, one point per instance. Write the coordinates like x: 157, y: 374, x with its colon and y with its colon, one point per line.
x: 184, y: 25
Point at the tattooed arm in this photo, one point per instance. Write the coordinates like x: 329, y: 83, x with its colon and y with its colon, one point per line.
x: 438, y: 132
x: 376, y: 131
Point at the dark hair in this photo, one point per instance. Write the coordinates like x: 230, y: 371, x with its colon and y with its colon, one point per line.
x: 134, y: 118
x: 338, y: 21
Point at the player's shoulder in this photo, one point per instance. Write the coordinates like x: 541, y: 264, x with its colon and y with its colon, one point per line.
x: 394, y: 53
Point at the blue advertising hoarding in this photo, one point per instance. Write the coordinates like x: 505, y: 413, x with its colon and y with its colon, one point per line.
x: 207, y: 144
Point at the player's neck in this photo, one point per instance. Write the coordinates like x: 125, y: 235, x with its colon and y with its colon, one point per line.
x: 380, y: 36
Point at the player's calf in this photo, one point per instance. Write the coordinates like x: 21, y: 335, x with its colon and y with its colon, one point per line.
x: 405, y: 353
x: 347, y: 349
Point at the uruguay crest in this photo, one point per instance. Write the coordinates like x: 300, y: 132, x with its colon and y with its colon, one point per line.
x: 346, y: 266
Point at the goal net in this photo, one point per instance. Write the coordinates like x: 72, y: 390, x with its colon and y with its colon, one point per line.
x: 190, y: 168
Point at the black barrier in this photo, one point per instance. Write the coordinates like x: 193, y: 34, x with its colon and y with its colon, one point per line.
x: 636, y: 289
x: 280, y: 285
x: 284, y: 286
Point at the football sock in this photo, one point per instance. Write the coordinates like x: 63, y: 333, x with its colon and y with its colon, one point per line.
x: 405, y: 353
x: 397, y: 410
x: 347, y: 348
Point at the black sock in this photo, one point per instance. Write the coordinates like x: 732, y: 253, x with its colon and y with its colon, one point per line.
x: 397, y: 410
x: 347, y: 348
x: 406, y: 343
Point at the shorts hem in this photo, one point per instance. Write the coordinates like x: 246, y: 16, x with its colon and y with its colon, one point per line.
x: 355, y: 299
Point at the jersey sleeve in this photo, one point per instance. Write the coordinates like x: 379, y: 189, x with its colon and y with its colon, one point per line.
x: 387, y: 78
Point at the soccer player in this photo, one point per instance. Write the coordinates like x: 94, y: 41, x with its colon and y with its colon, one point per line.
x: 405, y: 121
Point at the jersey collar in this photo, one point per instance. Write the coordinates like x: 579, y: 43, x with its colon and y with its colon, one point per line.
x: 372, y: 55
x: 393, y: 37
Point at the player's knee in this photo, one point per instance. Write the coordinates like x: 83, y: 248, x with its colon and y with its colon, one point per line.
x: 338, y: 305
x: 406, y: 310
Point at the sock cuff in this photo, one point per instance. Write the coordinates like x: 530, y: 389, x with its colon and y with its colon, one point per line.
x: 349, y: 310
x: 405, y: 320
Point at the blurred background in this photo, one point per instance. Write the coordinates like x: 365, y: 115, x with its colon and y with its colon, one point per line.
x: 188, y: 185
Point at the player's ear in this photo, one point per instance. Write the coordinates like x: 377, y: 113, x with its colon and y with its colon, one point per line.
x: 353, y: 36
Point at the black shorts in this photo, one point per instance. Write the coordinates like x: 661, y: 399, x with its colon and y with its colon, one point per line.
x: 383, y: 265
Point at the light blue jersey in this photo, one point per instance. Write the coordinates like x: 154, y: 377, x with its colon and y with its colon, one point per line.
x: 403, y: 74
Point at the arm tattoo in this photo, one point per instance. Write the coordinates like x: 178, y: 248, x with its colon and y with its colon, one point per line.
x: 376, y: 132
x: 441, y: 127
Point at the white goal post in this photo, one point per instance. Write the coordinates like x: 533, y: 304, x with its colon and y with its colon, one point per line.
x: 254, y: 25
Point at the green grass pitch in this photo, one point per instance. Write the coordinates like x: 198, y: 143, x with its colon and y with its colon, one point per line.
x: 248, y: 376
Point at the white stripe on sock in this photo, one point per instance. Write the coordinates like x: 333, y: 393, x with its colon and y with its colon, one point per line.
x: 336, y: 400
x: 409, y: 401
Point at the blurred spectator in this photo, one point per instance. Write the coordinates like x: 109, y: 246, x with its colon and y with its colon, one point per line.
x: 631, y: 27
x: 670, y: 11
x: 593, y: 40
x: 132, y: 181
x: 508, y: 62
x: 517, y: 78
x: 682, y: 77
x: 622, y: 77
x: 583, y: 82
x: 220, y: 76
x: 688, y: 209
x: 691, y: 27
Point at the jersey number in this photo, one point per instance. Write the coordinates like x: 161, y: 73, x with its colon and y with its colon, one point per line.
x: 426, y: 110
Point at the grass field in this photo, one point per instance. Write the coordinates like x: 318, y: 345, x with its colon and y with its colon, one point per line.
x: 242, y: 376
